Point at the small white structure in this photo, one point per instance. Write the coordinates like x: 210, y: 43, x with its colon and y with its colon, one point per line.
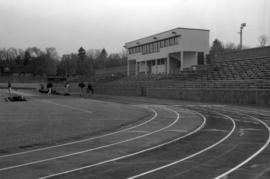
x: 167, y: 52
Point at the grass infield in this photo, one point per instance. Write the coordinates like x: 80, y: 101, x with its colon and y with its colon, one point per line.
x: 44, y: 121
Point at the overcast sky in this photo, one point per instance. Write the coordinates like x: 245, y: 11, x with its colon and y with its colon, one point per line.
x: 94, y: 24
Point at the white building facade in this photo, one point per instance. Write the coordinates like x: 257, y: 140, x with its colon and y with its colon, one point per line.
x: 167, y: 52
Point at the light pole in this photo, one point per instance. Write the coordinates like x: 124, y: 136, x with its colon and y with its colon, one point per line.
x: 241, y: 33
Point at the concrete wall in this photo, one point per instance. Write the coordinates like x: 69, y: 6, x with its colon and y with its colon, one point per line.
x: 227, y: 96
x: 120, y: 90
x: 260, y: 97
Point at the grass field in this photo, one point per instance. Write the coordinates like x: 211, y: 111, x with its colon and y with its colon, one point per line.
x: 44, y: 120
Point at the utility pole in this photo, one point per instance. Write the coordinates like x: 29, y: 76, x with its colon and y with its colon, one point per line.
x: 241, y: 34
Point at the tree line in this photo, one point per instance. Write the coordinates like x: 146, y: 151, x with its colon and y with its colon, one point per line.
x: 47, y: 62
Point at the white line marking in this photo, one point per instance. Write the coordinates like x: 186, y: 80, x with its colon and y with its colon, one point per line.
x: 132, y: 154
x: 177, y: 130
x: 245, y: 121
x: 67, y: 106
x: 241, y: 133
x: 252, y: 156
x: 23, y: 93
x: 83, y: 140
x: 138, y: 131
x: 201, y: 164
x: 190, y: 156
x: 250, y: 129
x: 215, y: 130
x: 262, y: 173
x: 89, y: 150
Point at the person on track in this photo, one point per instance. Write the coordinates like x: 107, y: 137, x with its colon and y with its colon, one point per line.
x: 81, y: 85
x: 67, y: 86
x: 49, y: 87
x: 90, y: 89
x: 9, y: 89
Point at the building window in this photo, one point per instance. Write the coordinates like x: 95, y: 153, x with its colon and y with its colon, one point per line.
x: 166, y: 43
x: 144, y: 49
x: 177, y: 40
x: 158, y: 45
x: 171, y: 41
x: 161, y: 43
x: 158, y: 62
x: 147, y: 48
x: 151, y: 49
x: 155, y: 46
x: 200, y: 58
x: 162, y: 61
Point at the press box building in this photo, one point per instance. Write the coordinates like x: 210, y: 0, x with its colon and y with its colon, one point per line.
x: 167, y: 52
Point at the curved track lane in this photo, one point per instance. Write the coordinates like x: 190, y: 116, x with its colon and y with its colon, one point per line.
x: 222, y: 161
x: 163, y: 155
x: 33, y: 168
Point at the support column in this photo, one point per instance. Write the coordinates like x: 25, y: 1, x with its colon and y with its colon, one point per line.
x: 136, y: 67
x: 128, y: 74
x: 196, y: 56
x: 156, y: 65
x: 168, y: 65
x: 145, y: 67
x: 182, y: 60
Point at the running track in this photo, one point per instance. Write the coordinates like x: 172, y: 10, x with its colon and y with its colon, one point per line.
x: 225, y: 142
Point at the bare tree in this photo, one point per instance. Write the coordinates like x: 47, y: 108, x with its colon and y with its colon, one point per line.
x: 230, y: 46
x: 263, y: 40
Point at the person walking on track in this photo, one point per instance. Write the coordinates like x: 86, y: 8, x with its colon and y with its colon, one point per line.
x: 81, y: 85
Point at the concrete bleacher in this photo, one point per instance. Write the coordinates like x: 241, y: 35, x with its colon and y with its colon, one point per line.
x: 242, y: 69
x: 250, y: 53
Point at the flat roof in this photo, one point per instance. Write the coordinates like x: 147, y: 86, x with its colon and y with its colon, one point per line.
x: 168, y: 31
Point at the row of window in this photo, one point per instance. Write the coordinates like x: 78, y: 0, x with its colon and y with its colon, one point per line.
x: 153, y: 62
x: 154, y: 46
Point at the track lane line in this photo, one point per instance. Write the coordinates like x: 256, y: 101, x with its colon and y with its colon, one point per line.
x: 89, y: 150
x: 67, y: 106
x: 253, y: 155
x: 83, y: 140
x: 132, y: 154
x: 213, y: 159
x: 190, y: 156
